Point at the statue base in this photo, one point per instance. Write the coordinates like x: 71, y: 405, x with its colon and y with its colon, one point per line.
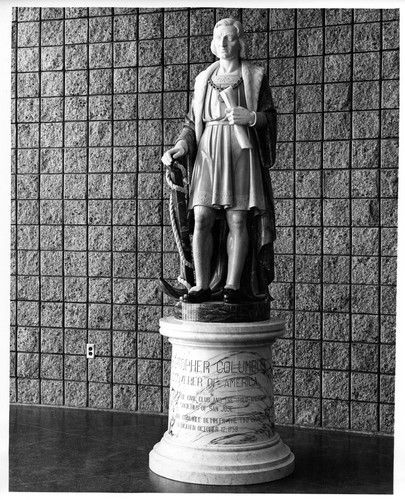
x: 221, y: 410
x: 220, y: 312
x: 240, y: 465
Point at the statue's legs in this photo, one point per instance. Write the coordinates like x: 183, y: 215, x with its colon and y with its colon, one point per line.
x: 204, y: 219
x: 237, y: 246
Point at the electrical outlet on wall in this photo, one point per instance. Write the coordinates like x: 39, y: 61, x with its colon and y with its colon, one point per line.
x: 90, y: 351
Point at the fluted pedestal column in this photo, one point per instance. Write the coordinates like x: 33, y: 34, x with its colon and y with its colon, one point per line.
x: 221, y: 410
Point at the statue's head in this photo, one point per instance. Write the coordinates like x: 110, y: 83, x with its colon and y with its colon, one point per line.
x: 239, y: 32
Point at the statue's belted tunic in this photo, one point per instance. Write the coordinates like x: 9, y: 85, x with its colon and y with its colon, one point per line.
x: 226, y: 176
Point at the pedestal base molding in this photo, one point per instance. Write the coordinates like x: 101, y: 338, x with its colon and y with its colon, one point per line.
x: 257, y: 463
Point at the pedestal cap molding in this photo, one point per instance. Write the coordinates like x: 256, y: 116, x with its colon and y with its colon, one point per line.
x: 258, y: 331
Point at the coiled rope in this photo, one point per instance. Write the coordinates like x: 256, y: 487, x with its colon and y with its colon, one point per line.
x: 181, y: 189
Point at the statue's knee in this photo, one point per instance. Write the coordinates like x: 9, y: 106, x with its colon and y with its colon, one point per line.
x: 203, y: 220
x: 236, y: 222
x: 202, y: 223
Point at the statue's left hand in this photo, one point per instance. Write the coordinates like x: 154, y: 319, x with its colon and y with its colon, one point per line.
x: 240, y: 116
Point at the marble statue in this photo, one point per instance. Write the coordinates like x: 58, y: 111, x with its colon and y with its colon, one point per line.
x: 229, y: 138
x: 221, y: 425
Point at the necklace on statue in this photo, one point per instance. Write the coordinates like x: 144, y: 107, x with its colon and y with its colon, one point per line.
x: 224, y: 81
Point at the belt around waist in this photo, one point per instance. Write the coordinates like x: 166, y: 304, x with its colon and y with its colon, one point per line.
x: 211, y: 124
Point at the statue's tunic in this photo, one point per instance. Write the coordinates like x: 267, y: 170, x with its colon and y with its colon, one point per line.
x: 225, y: 175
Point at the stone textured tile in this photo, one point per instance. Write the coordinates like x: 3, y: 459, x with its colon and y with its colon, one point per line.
x: 76, y: 31
x: 335, y: 414
x: 52, y: 288
x: 52, y: 13
x: 75, y: 393
x: 367, y: 37
x: 28, y: 390
x: 124, y: 397
x: 28, y: 14
x: 149, y: 398
x: 387, y: 418
x: 336, y: 212
x: 100, y: 395
x: 99, y: 369
x: 51, y: 340
x: 283, y: 353
x: 283, y: 381
x: 364, y: 387
x: 101, y: 340
x: 364, y: 298
x: 99, y: 212
x: 364, y: 357
x: 387, y: 389
x: 307, y: 411
x: 124, y: 344
x: 335, y: 355
x: 149, y: 345
x: 335, y: 385
x: 125, y: 370
x: 307, y: 383
x: 51, y: 314
x: 282, y: 72
x: 75, y: 368
x: 13, y: 390
x: 124, y: 265
x: 309, y: 17
x: 336, y: 183
x: 364, y: 416
x: 337, y: 68
x: 338, y: 39
x: 282, y: 43
x: 336, y: 154
x: 388, y: 329
x: 365, y: 270
x: 307, y: 269
x: 52, y: 392
x: 365, y: 328
x: 307, y: 325
x: 149, y: 372
x: 310, y: 42
x: 75, y: 341
x: 28, y: 365
x: 124, y: 316
x: 387, y: 358
x: 52, y: 368
x: 28, y: 287
x: 336, y: 240
x: 100, y: 316
x: 283, y: 407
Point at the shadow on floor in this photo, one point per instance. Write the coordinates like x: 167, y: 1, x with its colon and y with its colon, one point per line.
x: 69, y: 450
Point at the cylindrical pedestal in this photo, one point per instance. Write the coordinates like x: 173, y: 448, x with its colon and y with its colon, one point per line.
x: 221, y: 410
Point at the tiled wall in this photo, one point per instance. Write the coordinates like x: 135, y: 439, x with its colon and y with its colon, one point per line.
x: 97, y: 93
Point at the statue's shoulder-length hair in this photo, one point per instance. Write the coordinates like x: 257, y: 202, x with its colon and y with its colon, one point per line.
x: 243, y: 53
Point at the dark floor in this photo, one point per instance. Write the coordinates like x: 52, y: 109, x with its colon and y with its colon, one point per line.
x: 68, y: 450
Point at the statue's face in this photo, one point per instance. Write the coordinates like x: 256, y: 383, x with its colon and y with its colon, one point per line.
x: 226, y: 42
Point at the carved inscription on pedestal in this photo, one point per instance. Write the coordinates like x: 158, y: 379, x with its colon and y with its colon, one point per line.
x: 221, y: 399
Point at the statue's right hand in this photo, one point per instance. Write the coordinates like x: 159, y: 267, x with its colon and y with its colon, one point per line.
x: 172, y: 154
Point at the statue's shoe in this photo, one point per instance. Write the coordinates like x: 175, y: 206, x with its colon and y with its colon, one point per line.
x: 197, y: 297
x: 232, y: 296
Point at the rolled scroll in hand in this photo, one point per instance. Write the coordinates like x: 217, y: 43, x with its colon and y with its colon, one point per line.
x: 240, y: 131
